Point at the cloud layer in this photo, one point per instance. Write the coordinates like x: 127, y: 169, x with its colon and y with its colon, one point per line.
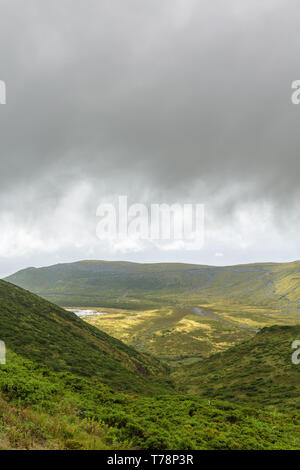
x: 173, y: 101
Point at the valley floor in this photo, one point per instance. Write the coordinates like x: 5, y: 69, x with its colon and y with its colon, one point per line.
x: 179, y: 335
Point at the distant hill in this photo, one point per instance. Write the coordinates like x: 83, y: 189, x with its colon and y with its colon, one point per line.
x: 258, y: 371
x: 49, y: 335
x: 132, y: 285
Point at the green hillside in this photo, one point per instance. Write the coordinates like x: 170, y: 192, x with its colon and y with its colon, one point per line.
x: 43, y: 409
x: 258, y: 372
x: 47, y: 334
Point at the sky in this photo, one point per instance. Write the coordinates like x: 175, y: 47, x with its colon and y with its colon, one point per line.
x: 164, y: 101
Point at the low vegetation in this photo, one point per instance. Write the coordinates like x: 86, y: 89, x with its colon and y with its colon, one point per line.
x: 44, y: 409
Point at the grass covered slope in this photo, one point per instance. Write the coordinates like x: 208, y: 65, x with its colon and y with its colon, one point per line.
x: 47, y: 334
x: 259, y: 371
x: 44, y: 409
x: 132, y: 285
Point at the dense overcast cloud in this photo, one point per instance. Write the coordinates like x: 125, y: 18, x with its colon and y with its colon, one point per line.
x: 161, y: 100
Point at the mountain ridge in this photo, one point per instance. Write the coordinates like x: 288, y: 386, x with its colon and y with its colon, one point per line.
x: 140, y: 285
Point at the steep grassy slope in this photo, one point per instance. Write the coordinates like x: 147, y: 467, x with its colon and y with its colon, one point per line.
x: 47, y: 334
x: 259, y: 371
x: 131, y: 285
x: 43, y: 409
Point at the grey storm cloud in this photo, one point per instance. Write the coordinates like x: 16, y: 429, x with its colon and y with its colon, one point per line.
x: 173, y: 90
x: 162, y: 96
